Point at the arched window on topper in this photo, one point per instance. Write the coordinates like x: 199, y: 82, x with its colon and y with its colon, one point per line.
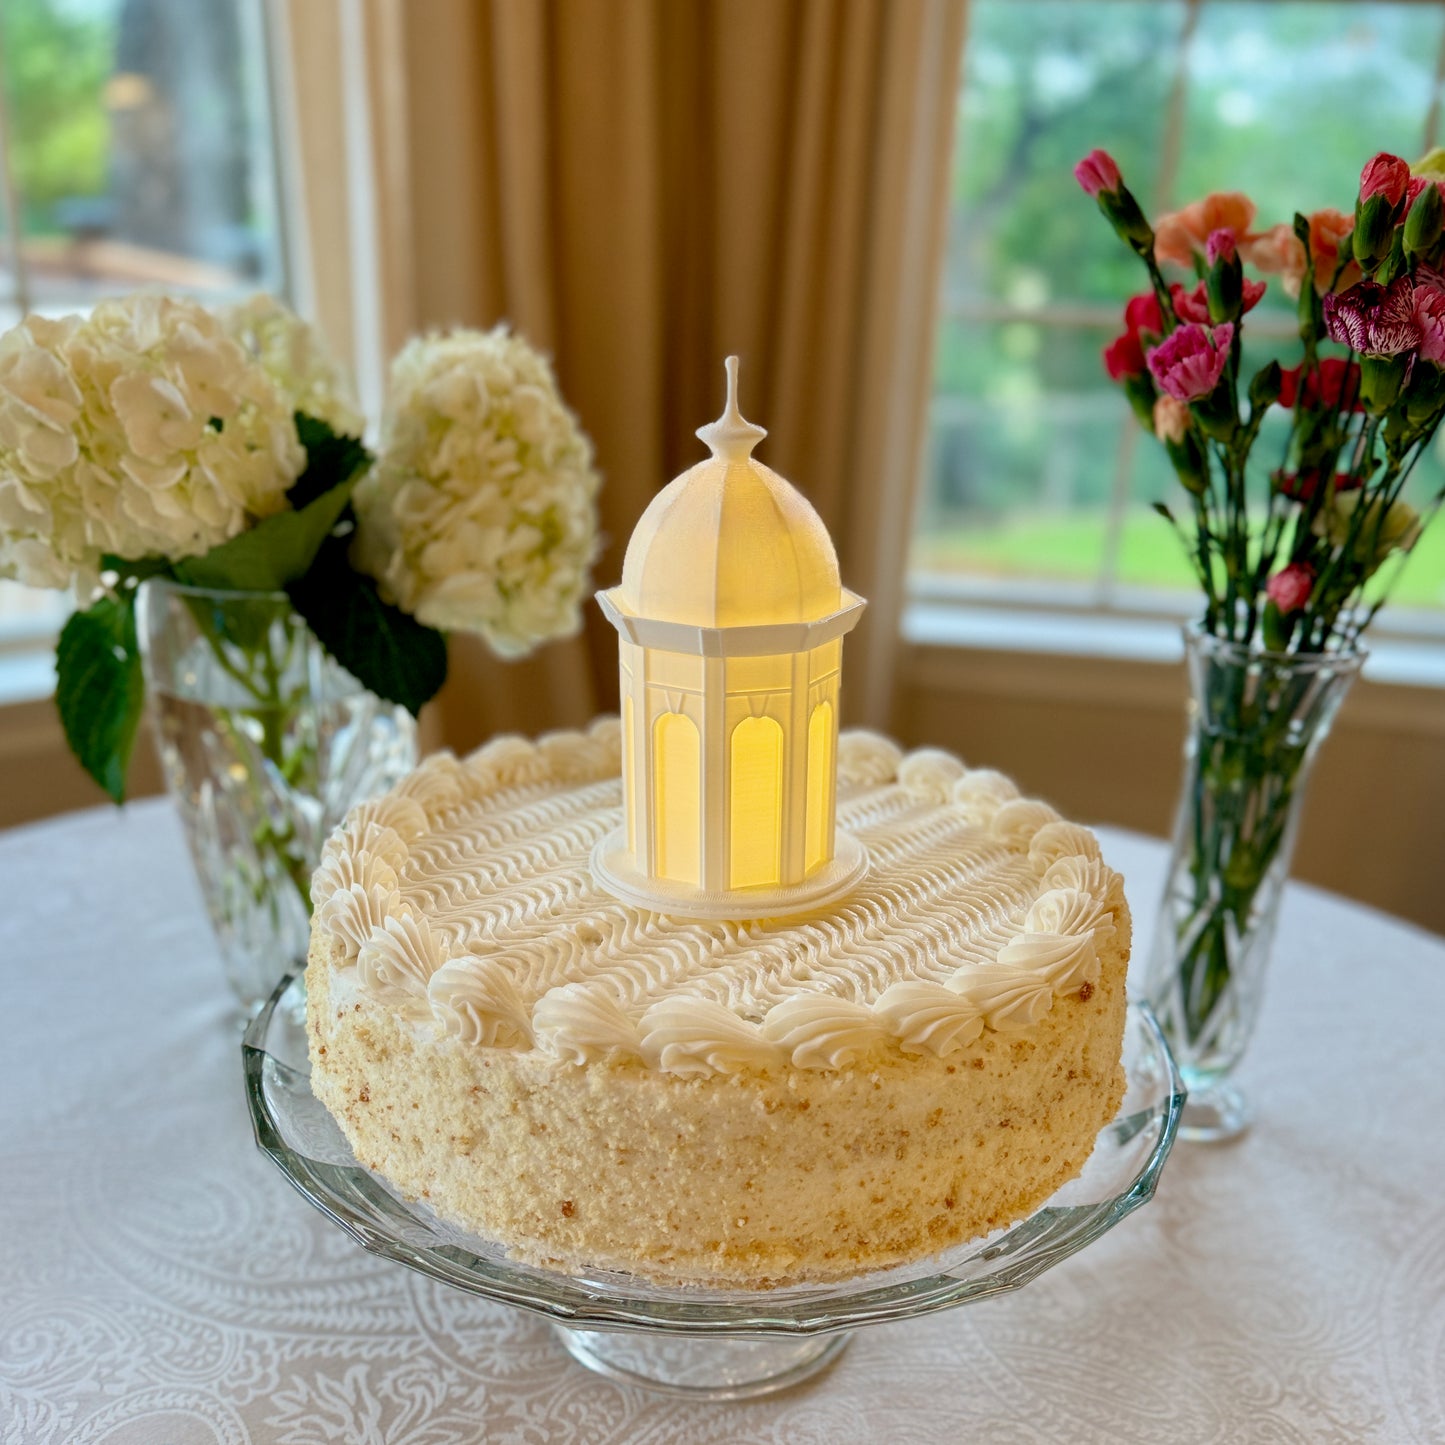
x: 731, y: 606
x: 677, y: 785
x: 755, y: 819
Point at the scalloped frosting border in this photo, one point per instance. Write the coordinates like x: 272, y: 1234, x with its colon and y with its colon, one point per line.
x: 1008, y: 984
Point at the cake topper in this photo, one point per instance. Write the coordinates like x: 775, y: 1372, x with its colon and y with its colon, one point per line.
x: 731, y: 615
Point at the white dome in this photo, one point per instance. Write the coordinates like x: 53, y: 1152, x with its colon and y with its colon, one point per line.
x: 730, y: 543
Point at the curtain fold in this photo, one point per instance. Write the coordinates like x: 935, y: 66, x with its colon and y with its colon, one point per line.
x: 641, y: 187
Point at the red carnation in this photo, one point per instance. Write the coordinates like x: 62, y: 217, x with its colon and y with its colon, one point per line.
x: 1302, y: 485
x: 1333, y: 384
x: 1143, y: 314
x: 1194, y: 305
x: 1385, y: 175
x: 1289, y: 589
x: 1124, y: 357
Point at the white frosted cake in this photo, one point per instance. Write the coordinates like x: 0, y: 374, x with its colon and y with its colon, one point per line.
x: 806, y: 1098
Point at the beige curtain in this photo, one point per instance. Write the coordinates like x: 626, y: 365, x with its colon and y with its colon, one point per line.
x: 641, y: 187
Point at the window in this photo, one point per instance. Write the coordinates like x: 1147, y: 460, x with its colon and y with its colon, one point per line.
x: 136, y: 152
x: 1038, y: 483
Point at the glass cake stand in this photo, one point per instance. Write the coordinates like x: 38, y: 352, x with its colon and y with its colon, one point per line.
x: 697, y: 1340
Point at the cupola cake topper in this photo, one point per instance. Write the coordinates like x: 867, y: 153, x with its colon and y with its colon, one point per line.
x: 731, y: 615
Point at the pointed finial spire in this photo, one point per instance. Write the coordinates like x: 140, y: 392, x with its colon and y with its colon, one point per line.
x: 731, y: 437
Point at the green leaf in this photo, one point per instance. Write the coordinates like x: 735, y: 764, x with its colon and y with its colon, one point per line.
x: 330, y: 460
x: 383, y: 648
x: 99, y: 691
x: 1164, y: 512
x: 273, y: 553
x: 279, y: 549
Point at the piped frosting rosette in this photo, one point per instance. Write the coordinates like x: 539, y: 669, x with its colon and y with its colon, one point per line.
x: 557, y: 967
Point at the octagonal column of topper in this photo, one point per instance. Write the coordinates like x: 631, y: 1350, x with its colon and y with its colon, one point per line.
x: 731, y: 615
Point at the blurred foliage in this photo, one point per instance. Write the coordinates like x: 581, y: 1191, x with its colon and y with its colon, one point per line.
x: 1282, y: 101
x: 56, y: 57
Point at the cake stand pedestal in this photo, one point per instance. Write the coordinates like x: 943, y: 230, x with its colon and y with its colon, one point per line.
x: 697, y: 1340
x: 704, y: 1368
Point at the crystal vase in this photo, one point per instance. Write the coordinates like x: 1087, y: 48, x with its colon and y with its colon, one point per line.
x: 1256, y: 722
x: 265, y: 743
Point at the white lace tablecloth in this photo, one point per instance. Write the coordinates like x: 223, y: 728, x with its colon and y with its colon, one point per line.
x: 161, y: 1284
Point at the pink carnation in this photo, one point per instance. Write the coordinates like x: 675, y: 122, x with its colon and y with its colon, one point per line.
x: 1098, y: 172
x: 1385, y: 175
x: 1289, y: 589
x: 1189, y: 363
x: 1220, y: 243
x: 1374, y: 320
x: 1430, y: 314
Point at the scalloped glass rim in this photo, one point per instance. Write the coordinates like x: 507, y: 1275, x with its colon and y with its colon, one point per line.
x: 304, y: 1142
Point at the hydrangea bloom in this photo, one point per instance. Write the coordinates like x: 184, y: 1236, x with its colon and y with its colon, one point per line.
x: 143, y: 430
x: 296, y: 359
x: 481, y: 512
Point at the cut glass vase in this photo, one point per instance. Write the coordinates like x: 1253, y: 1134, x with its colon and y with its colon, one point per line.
x: 1256, y: 722
x: 266, y: 743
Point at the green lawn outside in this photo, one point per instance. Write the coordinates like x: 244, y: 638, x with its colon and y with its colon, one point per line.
x: 1070, y: 545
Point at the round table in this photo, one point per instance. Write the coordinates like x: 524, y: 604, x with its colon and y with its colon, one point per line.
x: 160, y: 1283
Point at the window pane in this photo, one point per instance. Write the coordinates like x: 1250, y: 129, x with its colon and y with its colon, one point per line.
x: 1025, y: 428
x: 1025, y: 435
x: 138, y: 145
x: 1038, y: 78
x: 140, y: 148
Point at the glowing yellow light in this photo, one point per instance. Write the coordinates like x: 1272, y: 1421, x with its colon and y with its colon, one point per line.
x: 677, y: 813
x: 820, y: 773
x: 731, y: 614
x: 629, y: 772
x: 756, y: 823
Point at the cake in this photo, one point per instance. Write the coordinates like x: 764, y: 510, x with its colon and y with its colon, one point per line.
x: 711, y: 992
x: 595, y: 1085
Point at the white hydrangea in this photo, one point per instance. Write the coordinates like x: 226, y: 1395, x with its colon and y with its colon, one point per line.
x: 481, y: 512
x: 297, y: 360
x: 142, y: 430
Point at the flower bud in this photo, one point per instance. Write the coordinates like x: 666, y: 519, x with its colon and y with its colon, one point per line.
x: 1265, y: 386
x: 1384, y: 175
x: 1139, y: 391
x: 1425, y: 221
x: 1171, y: 419
x: 1190, y: 464
x: 1127, y: 219
x: 1098, y: 172
x: 1374, y: 229
x: 1275, y: 629
x: 1225, y: 281
x: 1381, y: 378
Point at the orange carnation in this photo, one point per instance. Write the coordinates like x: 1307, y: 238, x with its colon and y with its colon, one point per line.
x: 1180, y: 234
x: 1278, y: 250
